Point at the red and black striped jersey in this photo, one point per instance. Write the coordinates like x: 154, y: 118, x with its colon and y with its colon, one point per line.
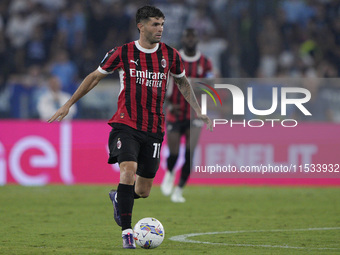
x: 198, y: 66
x: 144, y: 74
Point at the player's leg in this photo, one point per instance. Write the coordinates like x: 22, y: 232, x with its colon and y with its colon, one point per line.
x: 191, y: 138
x: 148, y: 164
x: 125, y: 192
x: 143, y: 186
x: 173, y: 140
x: 124, y: 148
x: 127, y: 172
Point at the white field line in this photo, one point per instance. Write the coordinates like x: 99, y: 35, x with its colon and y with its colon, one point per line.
x: 185, y: 238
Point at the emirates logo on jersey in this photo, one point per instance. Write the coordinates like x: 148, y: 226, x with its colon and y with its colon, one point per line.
x: 163, y: 63
x: 147, y: 74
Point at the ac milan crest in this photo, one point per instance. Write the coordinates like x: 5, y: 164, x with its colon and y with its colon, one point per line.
x: 119, y: 144
x: 163, y: 63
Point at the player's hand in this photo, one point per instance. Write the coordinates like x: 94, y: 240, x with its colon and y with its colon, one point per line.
x: 60, y: 114
x: 207, y: 121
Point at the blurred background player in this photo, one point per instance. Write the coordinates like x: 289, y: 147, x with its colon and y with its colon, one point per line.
x: 178, y: 119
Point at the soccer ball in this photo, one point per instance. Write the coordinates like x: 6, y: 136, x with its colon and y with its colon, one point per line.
x: 148, y: 233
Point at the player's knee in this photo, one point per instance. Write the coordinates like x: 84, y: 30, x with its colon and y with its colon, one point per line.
x: 127, y: 172
x: 143, y: 193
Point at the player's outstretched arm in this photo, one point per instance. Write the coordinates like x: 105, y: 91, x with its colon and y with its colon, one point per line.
x: 189, y: 95
x: 87, y: 84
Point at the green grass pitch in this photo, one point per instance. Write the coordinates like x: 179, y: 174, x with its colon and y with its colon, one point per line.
x: 260, y: 220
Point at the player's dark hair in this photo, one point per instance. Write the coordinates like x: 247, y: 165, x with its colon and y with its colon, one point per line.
x: 147, y: 12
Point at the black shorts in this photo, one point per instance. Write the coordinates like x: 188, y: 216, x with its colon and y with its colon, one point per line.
x: 129, y: 144
x: 182, y: 125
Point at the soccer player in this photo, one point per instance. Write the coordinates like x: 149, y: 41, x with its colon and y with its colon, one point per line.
x: 178, y: 119
x: 138, y: 125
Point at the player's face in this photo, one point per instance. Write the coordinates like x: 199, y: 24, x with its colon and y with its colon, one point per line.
x: 152, y: 30
x: 189, y: 40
